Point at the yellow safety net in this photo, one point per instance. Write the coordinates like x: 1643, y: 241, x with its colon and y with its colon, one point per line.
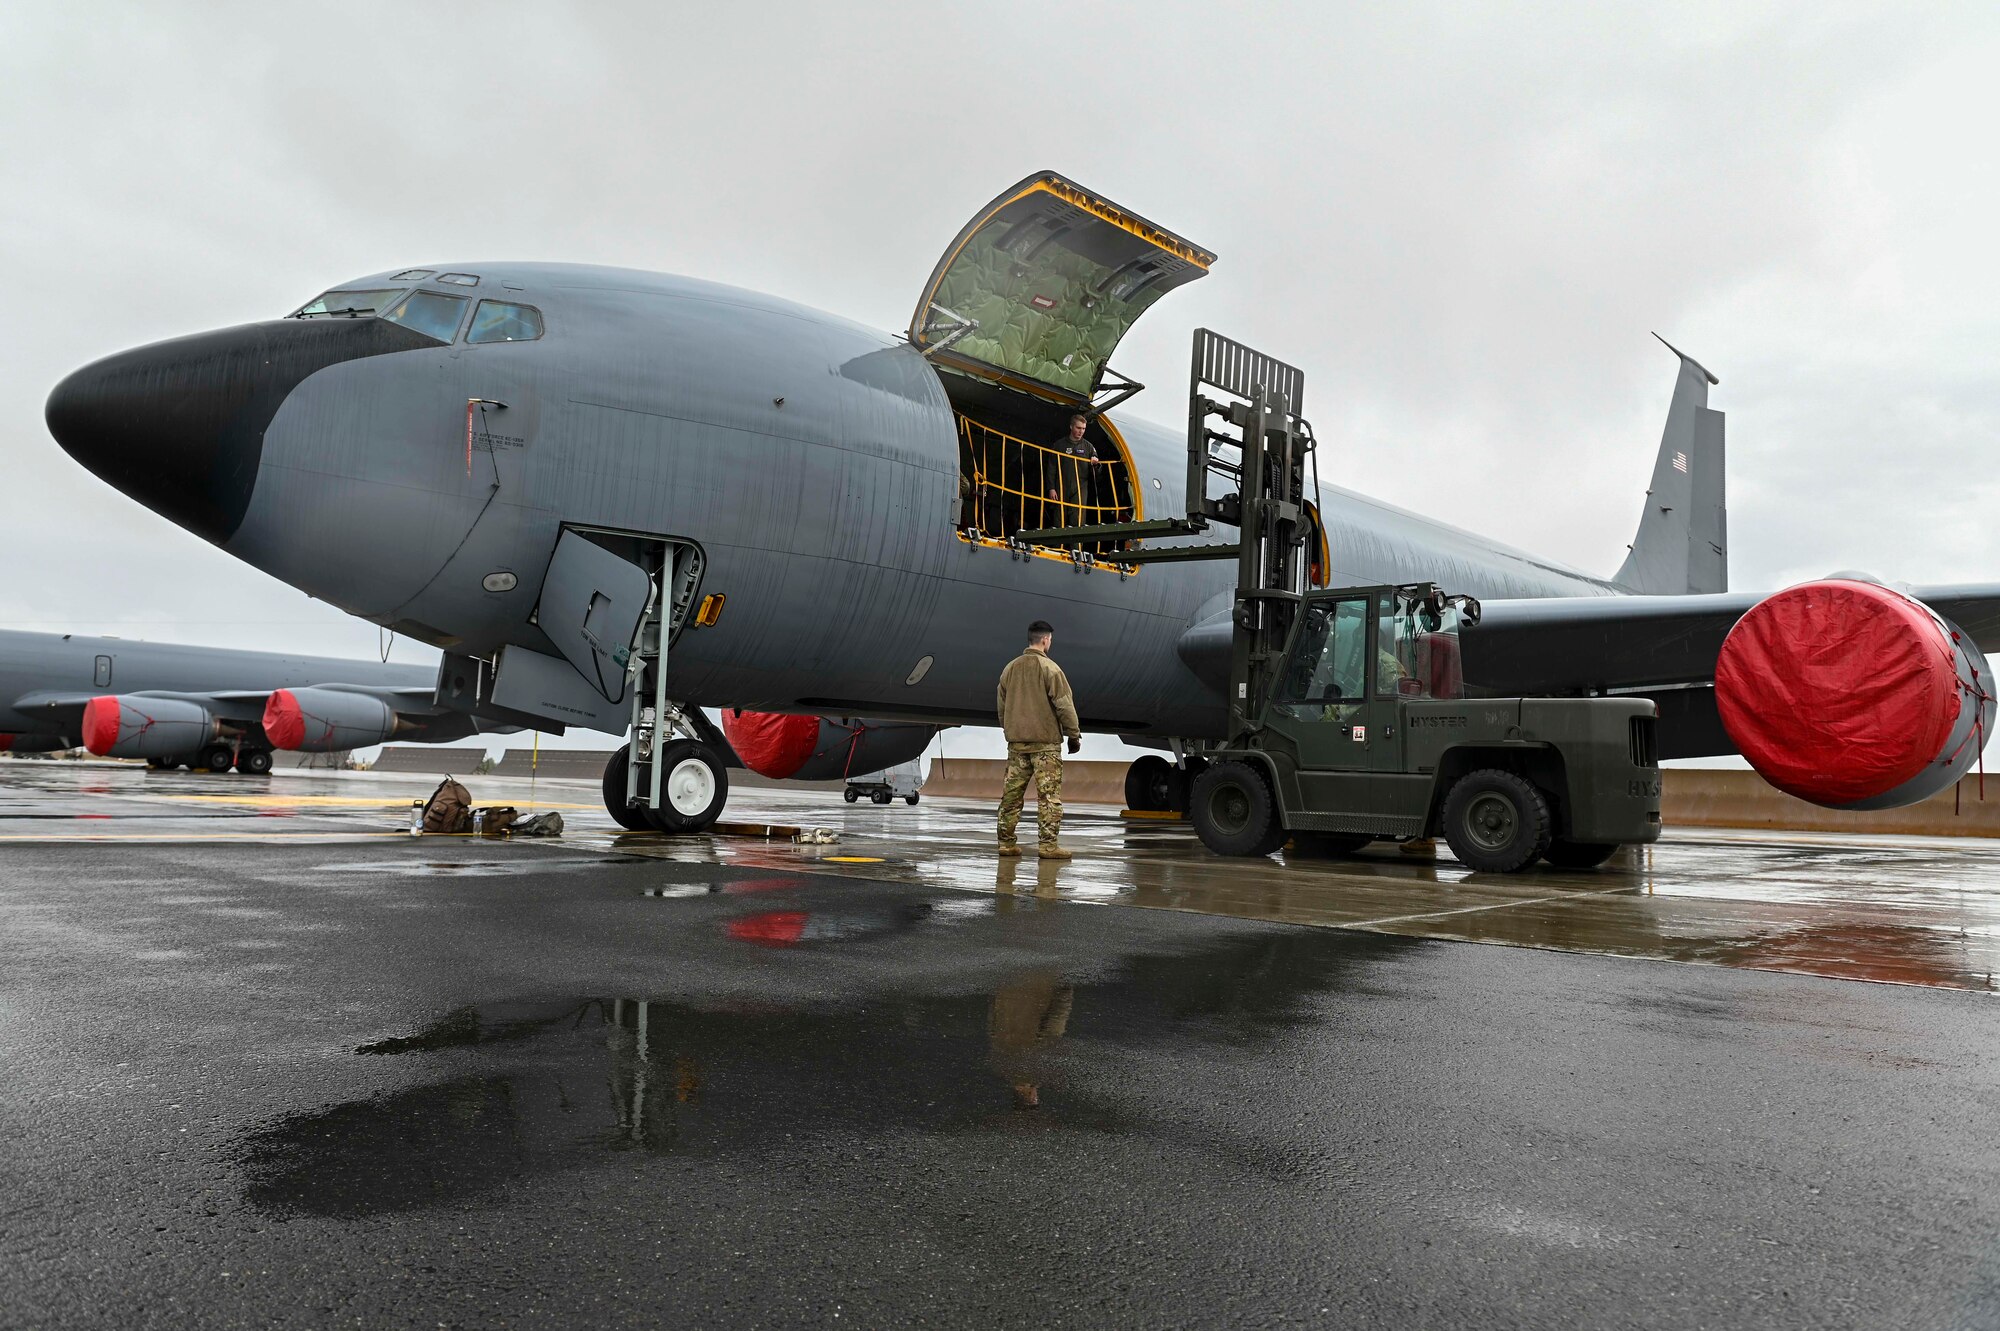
x: 1013, y: 485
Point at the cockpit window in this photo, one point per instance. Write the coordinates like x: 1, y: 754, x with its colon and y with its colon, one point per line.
x: 347, y: 304
x: 461, y: 279
x: 429, y: 313
x: 413, y: 274
x: 500, y: 321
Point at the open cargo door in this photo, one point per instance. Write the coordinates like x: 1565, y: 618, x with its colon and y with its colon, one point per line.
x: 1040, y: 286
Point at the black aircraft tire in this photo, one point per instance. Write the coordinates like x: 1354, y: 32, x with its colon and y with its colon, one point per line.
x: 694, y: 786
x: 1496, y: 822
x: 1234, y: 812
x: 1580, y: 854
x: 216, y: 758
x: 254, y: 762
x: 1154, y: 785
x: 1328, y: 844
x: 163, y: 764
x: 627, y: 817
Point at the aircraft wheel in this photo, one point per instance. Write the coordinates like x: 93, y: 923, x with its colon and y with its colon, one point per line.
x: 1234, y: 811
x: 1496, y: 821
x: 216, y: 758
x: 910, y: 800
x: 254, y: 762
x: 627, y: 817
x: 693, y: 787
x: 880, y: 797
x: 163, y: 764
x: 1580, y: 854
x: 851, y: 795
x: 1327, y: 845
x: 1154, y: 785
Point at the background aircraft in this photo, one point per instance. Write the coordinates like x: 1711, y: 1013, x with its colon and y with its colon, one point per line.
x: 209, y: 707
x: 508, y: 460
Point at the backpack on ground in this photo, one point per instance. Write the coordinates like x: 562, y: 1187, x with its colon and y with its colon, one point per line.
x: 449, y: 808
x: 497, y: 820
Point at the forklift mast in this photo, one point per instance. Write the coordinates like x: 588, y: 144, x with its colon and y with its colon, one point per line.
x: 1260, y: 453
x: 1262, y: 450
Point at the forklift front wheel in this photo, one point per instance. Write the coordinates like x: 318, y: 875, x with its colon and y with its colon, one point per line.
x: 1496, y: 822
x: 1233, y: 811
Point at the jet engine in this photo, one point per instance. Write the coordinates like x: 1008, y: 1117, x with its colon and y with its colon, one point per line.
x: 135, y: 725
x: 821, y: 748
x: 1852, y: 695
x: 326, y: 720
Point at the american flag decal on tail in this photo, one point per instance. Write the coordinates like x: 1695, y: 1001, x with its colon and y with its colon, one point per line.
x: 1680, y: 462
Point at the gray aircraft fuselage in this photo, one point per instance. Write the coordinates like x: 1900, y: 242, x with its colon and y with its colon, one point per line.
x: 813, y: 460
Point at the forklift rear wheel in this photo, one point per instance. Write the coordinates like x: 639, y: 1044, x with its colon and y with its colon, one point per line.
x: 1233, y: 811
x: 254, y: 762
x: 1154, y: 785
x: 851, y: 795
x: 1329, y: 843
x: 693, y: 787
x: 627, y: 817
x: 1580, y: 854
x: 880, y: 797
x: 909, y: 799
x: 1496, y: 822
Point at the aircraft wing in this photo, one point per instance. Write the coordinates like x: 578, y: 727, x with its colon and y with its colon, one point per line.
x: 1630, y: 642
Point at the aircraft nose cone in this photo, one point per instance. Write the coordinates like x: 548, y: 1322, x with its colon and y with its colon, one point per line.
x: 179, y: 425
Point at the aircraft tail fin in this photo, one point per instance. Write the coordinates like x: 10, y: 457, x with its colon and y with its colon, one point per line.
x: 1683, y: 542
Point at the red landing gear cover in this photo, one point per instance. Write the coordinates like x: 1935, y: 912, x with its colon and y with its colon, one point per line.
x: 771, y: 744
x: 1838, y: 691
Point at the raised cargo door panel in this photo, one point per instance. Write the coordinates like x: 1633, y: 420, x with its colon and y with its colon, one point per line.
x: 1040, y: 286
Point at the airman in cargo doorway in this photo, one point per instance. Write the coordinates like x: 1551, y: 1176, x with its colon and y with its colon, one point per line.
x: 1037, y: 713
x: 1074, y: 486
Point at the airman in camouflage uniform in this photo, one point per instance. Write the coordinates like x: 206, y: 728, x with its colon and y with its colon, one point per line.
x: 1037, y: 714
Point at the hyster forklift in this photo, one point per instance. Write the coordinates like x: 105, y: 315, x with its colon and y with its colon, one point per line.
x: 1348, y: 715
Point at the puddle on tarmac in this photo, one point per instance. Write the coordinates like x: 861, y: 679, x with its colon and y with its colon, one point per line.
x: 524, y: 864
x: 507, y: 1090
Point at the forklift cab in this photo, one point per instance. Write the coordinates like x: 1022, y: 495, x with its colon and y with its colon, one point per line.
x: 1354, y: 655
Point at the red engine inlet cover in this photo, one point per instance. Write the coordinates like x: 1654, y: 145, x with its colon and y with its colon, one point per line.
x: 284, y: 720
x: 771, y: 744
x: 100, y: 725
x: 1839, y: 692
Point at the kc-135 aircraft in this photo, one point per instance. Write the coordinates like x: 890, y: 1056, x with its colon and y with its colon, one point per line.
x: 556, y: 473
x: 212, y: 707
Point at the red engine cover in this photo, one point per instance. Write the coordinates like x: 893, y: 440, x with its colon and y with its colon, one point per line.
x: 771, y: 744
x: 100, y: 725
x: 1838, y: 691
x: 284, y: 720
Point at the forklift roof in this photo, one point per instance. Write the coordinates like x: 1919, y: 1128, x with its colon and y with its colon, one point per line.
x: 1039, y: 287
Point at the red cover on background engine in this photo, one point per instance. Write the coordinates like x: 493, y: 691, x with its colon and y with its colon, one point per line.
x: 1838, y: 691
x: 284, y: 720
x: 771, y: 743
x: 100, y: 725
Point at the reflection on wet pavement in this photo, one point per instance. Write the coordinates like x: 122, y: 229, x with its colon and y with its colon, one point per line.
x: 1903, y: 910
x: 524, y: 1088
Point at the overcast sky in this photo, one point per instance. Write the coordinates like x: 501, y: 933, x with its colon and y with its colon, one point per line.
x: 1462, y: 221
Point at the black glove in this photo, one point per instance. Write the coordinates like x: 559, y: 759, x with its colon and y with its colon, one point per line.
x: 1076, y: 744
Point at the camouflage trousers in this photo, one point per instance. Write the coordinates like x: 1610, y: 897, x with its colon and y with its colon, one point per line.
x: 1042, y: 762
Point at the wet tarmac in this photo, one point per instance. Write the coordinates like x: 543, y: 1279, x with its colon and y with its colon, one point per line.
x: 272, y: 1061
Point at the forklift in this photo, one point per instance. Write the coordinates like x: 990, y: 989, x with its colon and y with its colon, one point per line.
x: 1348, y: 716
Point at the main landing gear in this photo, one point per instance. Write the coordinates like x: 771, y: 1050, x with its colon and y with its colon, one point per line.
x: 694, y: 785
x: 1155, y: 785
